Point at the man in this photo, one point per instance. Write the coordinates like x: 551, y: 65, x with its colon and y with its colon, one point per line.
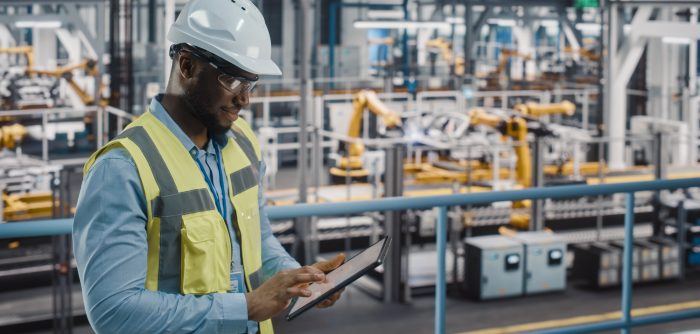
x: 170, y: 234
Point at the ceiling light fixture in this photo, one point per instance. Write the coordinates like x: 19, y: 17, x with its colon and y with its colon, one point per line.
x: 38, y: 24
x: 400, y: 25
x: 676, y: 40
x: 502, y: 22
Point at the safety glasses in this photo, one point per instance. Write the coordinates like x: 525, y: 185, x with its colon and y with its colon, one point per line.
x: 232, y: 83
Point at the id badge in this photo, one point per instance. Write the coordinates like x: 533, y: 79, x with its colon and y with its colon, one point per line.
x: 237, y: 282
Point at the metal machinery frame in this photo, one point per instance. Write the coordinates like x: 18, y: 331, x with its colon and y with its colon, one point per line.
x: 624, y: 54
x: 74, y: 32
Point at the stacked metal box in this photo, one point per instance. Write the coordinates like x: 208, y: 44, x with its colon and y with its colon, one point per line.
x: 600, y: 264
x: 669, y: 258
x: 597, y: 263
x: 505, y: 266
x: 545, y: 266
x: 494, y: 267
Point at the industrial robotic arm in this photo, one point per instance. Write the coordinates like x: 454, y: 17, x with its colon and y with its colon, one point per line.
x: 66, y: 73
x: 538, y: 110
x: 515, y: 128
x: 445, y: 48
x: 364, y: 99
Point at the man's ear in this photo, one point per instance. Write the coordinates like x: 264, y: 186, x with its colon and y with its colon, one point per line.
x: 186, y: 65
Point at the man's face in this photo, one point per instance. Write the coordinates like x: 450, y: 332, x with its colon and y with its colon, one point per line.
x: 212, y: 104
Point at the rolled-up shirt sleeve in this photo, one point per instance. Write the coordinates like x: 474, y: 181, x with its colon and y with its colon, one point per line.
x: 275, y: 257
x: 110, y: 246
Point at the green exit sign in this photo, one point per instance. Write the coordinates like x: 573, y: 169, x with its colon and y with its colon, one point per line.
x: 587, y: 3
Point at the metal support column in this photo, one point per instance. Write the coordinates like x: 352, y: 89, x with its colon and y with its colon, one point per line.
x: 396, y: 287
x: 62, y: 273
x: 302, y: 226
x: 660, y: 172
x: 404, y: 44
x: 468, y: 39
x: 332, y: 22
x: 681, y: 224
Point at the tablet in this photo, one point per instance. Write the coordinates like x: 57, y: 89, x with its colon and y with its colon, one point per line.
x: 340, y: 277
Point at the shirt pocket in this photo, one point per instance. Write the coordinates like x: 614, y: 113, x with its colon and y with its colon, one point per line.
x: 206, y: 254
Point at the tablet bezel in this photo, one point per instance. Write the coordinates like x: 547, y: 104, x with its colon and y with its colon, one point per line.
x: 382, y: 254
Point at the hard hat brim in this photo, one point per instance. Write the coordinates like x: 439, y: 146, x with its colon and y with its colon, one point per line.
x: 248, y: 64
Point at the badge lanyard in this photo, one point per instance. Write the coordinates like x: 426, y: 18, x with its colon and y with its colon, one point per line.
x: 220, y: 202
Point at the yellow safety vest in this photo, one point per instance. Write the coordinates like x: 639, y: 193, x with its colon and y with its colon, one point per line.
x: 189, y: 248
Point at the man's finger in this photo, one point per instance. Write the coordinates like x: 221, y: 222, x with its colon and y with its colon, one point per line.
x: 306, y: 278
x: 325, y: 303
x: 296, y: 291
x: 331, y: 264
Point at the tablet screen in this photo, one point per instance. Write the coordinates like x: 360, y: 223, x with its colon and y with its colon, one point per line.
x: 367, y: 259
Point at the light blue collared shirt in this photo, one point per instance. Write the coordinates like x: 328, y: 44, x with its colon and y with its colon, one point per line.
x: 110, y: 245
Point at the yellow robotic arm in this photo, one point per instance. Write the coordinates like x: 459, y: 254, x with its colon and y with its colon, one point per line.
x: 12, y: 135
x: 445, y: 48
x: 505, y: 56
x: 27, y: 51
x: 364, y: 99
x: 538, y: 110
x: 515, y: 128
x: 368, y: 99
x: 90, y: 67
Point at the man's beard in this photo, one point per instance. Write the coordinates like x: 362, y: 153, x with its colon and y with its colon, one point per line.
x: 204, y: 112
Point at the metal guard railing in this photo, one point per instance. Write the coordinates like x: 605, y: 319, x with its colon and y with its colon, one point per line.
x: 64, y: 226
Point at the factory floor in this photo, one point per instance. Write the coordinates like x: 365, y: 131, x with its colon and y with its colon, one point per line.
x: 356, y: 312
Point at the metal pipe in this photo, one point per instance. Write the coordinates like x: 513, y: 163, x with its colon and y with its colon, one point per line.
x: 441, y: 284
x: 627, y: 264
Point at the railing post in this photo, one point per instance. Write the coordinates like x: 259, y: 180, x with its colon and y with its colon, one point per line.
x: 440, y: 284
x: 627, y: 264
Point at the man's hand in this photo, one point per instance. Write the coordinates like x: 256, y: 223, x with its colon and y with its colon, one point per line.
x: 275, y: 294
x: 328, y: 266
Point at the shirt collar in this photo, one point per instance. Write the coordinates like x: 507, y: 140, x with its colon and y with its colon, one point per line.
x: 162, y: 115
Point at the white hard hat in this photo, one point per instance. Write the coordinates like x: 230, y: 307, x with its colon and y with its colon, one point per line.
x: 233, y: 30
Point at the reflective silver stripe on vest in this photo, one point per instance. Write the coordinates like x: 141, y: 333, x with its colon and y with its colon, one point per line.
x: 244, y: 179
x: 247, y: 147
x: 183, y: 203
x: 170, y: 205
x: 139, y: 136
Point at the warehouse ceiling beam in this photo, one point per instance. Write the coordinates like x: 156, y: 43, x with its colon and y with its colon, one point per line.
x: 567, y: 26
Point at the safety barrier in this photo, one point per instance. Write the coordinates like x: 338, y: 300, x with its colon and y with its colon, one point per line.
x: 63, y: 226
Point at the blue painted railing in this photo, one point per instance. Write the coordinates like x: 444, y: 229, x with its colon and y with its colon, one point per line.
x: 64, y: 226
